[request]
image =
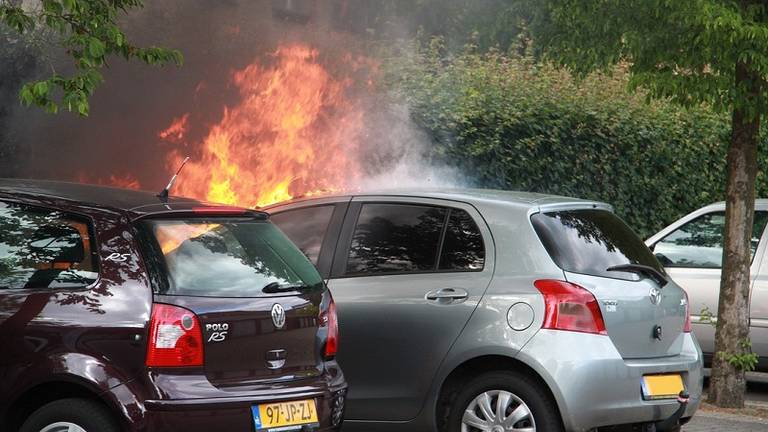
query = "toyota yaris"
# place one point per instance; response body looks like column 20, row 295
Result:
column 122, row 311
column 475, row 310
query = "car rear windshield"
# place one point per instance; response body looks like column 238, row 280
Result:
column 591, row 241
column 226, row 258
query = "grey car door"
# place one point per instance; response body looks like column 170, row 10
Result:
column 407, row 275
column 691, row 253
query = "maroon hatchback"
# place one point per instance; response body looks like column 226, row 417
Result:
column 122, row 311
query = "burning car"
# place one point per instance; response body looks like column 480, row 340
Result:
column 473, row 310
column 124, row 311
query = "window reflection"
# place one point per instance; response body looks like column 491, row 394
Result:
column 699, row 243
column 591, row 241
column 463, row 245
column 395, row 238
column 305, row 227
column 229, row 259
column 44, row 249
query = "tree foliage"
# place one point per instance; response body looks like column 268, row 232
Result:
column 89, row 33
column 515, row 123
column 683, row 50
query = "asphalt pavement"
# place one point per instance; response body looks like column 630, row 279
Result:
column 757, row 395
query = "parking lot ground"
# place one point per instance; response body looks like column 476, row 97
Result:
column 711, row 419
column 705, row 421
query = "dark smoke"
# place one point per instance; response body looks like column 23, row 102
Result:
column 216, row 37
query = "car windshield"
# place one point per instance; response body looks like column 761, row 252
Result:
column 225, row 258
column 591, row 241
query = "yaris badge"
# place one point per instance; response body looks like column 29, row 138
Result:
column 278, row 316
column 655, row 295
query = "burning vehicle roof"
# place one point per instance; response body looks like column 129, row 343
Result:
column 138, row 203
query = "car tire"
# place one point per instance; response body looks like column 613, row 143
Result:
column 60, row 415
column 531, row 404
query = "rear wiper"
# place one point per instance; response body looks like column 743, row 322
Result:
column 640, row 269
column 275, row 287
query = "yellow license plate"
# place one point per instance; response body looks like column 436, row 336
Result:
column 281, row 415
column 666, row 386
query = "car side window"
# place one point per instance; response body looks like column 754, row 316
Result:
column 395, row 238
column 463, row 248
column 41, row 248
column 306, row 227
column 699, row 243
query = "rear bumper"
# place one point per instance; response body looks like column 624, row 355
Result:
column 190, row 403
column 594, row 387
column 234, row 414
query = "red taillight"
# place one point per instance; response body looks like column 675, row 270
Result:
column 175, row 337
column 570, row 307
column 330, row 320
column 687, row 325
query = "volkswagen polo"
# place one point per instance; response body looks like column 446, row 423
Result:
column 122, row 311
column 473, row 310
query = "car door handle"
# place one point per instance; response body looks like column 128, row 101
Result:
column 447, row 294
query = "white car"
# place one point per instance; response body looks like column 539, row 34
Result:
column 691, row 250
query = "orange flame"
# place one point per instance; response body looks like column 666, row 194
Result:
column 176, row 131
column 293, row 132
column 126, row 181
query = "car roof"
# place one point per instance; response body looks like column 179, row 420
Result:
column 490, row 196
column 136, row 203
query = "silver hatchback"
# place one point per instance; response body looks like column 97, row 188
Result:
column 476, row 310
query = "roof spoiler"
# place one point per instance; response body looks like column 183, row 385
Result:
column 206, row 211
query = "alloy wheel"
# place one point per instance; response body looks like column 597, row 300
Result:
column 62, row 427
column 497, row 411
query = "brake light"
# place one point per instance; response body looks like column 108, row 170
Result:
column 330, row 320
column 687, row 325
column 175, row 337
column 570, row 307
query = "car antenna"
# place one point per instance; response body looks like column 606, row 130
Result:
column 163, row 195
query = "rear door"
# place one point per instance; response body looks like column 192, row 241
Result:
column 240, row 277
column 643, row 318
column 407, row 275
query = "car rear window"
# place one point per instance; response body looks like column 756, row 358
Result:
column 226, row 258
column 591, row 241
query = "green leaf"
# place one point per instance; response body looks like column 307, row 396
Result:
column 40, row 89
column 96, row 48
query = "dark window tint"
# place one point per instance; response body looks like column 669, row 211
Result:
column 44, row 249
column 590, row 241
column 396, row 238
column 228, row 258
column 463, row 245
column 306, row 228
column 699, row 243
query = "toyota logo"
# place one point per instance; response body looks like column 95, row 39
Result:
column 655, row 295
column 278, row 316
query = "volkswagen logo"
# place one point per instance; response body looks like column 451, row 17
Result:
column 655, row 295
column 278, row 316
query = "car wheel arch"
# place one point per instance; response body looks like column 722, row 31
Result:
column 36, row 396
column 476, row 366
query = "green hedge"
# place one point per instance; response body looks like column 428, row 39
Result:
column 512, row 123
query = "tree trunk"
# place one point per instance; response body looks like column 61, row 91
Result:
column 728, row 384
